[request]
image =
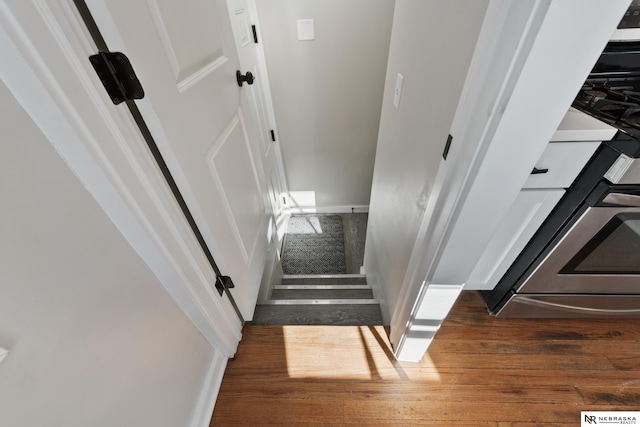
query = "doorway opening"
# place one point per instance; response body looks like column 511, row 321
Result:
column 317, row 244
column 323, row 282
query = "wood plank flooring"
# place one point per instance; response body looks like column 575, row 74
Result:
column 354, row 228
column 479, row 371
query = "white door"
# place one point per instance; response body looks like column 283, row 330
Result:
column 243, row 18
column 185, row 57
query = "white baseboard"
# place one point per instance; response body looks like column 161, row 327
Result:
column 297, row 210
column 209, row 392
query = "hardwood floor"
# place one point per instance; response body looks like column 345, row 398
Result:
column 479, row 371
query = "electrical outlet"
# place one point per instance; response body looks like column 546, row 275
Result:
column 397, row 91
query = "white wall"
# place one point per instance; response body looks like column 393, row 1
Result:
column 93, row 338
column 327, row 92
column 431, row 46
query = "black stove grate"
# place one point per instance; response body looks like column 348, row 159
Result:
column 614, row 101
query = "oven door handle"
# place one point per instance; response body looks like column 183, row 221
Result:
column 621, row 199
column 576, row 308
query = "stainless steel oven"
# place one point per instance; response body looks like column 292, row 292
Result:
column 600, row 254
column 584, row 261
column 591, row 270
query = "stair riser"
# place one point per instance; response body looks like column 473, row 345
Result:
column 321, row 287
column 324, row 302
column 322, row 280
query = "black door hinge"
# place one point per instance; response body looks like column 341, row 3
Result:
column 255, row 33
column 118, row 78
column 222, row 283
column 273, row 136
column 446, row 147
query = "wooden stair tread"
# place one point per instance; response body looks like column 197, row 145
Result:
column 344, row 314
column 343, row 299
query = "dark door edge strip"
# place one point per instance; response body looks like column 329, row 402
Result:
column 94, row 31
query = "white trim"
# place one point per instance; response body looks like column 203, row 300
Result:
column 266, row 88
column 209, row 393
column 482, row 81
column 431, row 308
column 103, row 147
column 510, row 78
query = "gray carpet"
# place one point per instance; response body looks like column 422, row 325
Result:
column 314, row 244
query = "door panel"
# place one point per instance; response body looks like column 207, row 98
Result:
column 256, row 96
column 229, row 159
column 203, row 123
column 193, row 54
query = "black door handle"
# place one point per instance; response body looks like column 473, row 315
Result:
column 537, row 171
column 246, row 78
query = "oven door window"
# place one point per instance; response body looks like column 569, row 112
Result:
column 615, row 249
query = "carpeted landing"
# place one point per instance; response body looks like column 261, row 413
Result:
column 314, row 244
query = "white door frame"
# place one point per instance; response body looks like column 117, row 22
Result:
column 519, row 70
column 46, row 48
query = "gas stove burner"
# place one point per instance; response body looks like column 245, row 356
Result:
column 632, row 96
column 611, row 93
column 612, row 99
column 633, row 122
column 590, row 97
column 631, row 117
column 595, row 94
column 621, row 88
column 611, row 111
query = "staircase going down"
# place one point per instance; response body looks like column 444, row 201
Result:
column 343, row 299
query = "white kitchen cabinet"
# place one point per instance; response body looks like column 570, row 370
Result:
column 572, row 145
column 560, row 164
column 528, row 212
